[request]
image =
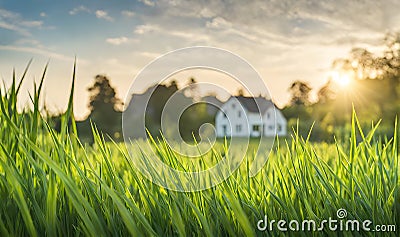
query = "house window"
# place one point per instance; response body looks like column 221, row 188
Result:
column 270, row 127
column 279, row 128
column 224, row 129
column 238, row 128
column 256, row 128
column 224, row 114
column 233, row 106
column 268, row 116
column 239, row 114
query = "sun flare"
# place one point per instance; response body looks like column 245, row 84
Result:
column 342, row 79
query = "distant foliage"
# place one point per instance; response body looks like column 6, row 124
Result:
column 104, row 110
column 300, row 93
column 374, row 93
column 190, row 120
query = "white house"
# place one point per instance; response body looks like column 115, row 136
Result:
column 243, row 116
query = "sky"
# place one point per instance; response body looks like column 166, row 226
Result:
column 284, row 40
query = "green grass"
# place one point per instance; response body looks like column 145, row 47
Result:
column 53, row 185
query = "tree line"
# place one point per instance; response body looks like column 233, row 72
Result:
column 373, row 92
column 106, row 111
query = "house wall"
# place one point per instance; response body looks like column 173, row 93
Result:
column 274, row 125
column 266, row 123
column 234, row 125
column 255, row 119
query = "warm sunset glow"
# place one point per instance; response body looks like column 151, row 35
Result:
column 341, row 78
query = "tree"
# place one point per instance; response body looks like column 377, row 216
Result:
column 155, row 106
column 174, row 85
column 192, row 90
column 300, row 93
column 391, row 58
column 240, row 92
column 104, row 105
column 326, row 93
column 103, row 95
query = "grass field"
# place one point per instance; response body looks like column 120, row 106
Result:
column 52, row 185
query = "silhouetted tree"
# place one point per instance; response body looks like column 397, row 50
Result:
column 103, row 95
column 104, row 105
column 326, row 93
column 300, row 93
column 191, row 90
column 155, row 106
column 173, row 85
column 391, row 58
column 240, row 92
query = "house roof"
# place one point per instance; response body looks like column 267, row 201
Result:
column 255, row 104
column 212, row 100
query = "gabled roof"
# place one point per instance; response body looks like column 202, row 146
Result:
column 255, row 104
column 212, row 99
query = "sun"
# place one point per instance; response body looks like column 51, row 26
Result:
column 340, row 78
column 343, row 80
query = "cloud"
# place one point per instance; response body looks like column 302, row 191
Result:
column 127, row 13
column 187, row 34
column 15, row 28
column 37, row 24
column 270, row 25
column 43, row 14
column 5, row 14
column 148, row 3
column 207, row 13
column 15, row 22
column 38, row 51
column 298, row 20
column 103, row 15
column 147, row 28
column 117, row 41
column 79, row 9
column 218, row 23
column 27, row 41
column 149, row 54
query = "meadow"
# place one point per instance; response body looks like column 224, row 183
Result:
column 52, row 184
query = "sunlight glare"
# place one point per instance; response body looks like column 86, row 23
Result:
column 342, row 79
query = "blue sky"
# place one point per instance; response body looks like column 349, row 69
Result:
column 284, row 40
